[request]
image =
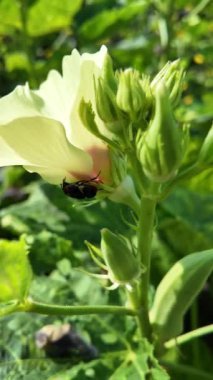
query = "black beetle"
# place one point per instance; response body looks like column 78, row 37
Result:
column 80, row 189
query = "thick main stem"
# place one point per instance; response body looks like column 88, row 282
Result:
column 144, row 233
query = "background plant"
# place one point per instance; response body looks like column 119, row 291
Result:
column 143, row 35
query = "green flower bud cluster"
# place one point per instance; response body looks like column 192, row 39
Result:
column 122, row 265
column 121, row 99
column 138, row 118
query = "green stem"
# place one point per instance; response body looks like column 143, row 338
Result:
column 186, row 174
column 42, row 308
column 185, row 338
column 145, row 231
column 140, row 179
column 199, row 8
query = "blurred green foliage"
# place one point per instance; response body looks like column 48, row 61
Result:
column 34, row 36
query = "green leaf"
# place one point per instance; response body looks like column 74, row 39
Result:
column 43, row 16
column 176, row 292
column 9, row 16
column 8, row 308
column 15, row 271
column 50, row 16
column 57, row 247
column 106, row 22
column 140, row 365
column 188, row 214
column 62, row 218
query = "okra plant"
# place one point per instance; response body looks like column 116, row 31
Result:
column 99, row 133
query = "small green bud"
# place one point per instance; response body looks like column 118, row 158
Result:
column 173, row 75
column 105, row 102
column 130, row 95
column 206, row 152
column 105, row 96
column 123, row 267
column 108, row 74
column 87, row 116
column 146, row 86
column 161, row 146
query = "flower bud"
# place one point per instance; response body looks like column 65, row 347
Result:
column 105, row 97
column 161, row 146
column 206, row 152
column 172, row 74
column 87, row 116
column 130, row 95
column 122, row 265
column 105, row 102
column 108, row 74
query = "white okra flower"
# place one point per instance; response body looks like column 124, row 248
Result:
column 42, row 130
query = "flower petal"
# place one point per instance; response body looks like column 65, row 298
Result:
column 22, row 102
column 79, row 73
column 62, row 94
column 40, row 144
column 56, row 98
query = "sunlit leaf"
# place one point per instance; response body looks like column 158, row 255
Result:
column 49, row 16
column 15, row 271
column 10, row 19
column 101, row 23
column 176, row 292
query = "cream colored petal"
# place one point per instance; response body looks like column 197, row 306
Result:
column 79, row 73
column 62, row 94
column 56, row 98
column 22, row 102
column 52, row 175
column 41, row 144
column 59, row 93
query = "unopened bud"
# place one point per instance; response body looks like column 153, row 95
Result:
column 108, row 74
column 105, row 102
column 105, row 97
column 206, row 152
column 160, row 150
column 122, row 265
column 87, row 116
column 172, row 74
column 130, row 95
